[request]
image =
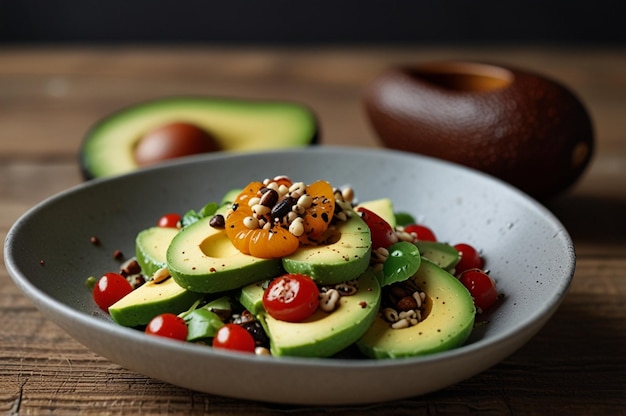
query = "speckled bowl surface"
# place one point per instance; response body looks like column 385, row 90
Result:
column 528, row 251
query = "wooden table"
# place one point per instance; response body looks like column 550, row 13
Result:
column 49, row 97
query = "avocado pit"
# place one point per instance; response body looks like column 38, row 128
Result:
column 173, row 140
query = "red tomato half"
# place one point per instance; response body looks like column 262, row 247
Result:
column 169, row 221
column 234, row 337
column 168, row 325
column 422, row 232
column 382, row 233
column 110, row 288
column 481, row 287
column 291, row 297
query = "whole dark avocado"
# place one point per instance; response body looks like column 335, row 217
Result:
column 162, row 129
column 513, row 124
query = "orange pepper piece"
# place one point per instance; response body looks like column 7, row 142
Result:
column 319, row 215
column 275, row 240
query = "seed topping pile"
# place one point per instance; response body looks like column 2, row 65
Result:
column 271, row 219
column 404, row 305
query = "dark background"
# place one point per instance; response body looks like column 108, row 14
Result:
column 320, row 22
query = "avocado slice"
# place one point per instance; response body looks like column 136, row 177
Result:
column 202, row 259
column 151, row 299
column 344, row 259
column 230, row 196
column 448, row 322
column 442, row 254
column 151, row 248
column 322, row 334
column 251, row 297
column 382, row 207
column 234, row 124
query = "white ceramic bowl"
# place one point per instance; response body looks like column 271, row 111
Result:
column 528, row 251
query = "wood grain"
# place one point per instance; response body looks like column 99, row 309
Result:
column 49, row 97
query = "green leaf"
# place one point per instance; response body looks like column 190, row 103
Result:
column 192, row 216
column 403, row 218
column 201, row 324
column 209, row 209
column 403, row 262
column 222, row 307
column 189, row 218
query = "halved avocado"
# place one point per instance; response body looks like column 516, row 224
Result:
column 344, row 259
column 322, row 334
column 448, row 321
column 201, row 258
column 233, row 124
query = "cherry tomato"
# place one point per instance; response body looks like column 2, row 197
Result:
column 169, row 221
column 470, row 258
column 422, row 232
column 110, row 288
column 382, row 233
column 168, row 325
column 234, row 337
column 291, row 297
column 481, row 287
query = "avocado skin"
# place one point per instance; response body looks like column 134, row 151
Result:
column 308, row 134
column 523, row 128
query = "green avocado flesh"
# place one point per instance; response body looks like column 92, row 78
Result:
column 322, row 334
column 151, row 299
column 442, row 254
column 202, row 259
column 151, row 247
column 345, row 259
column 251, row 297
column 235, row 124
column 382, row 207
column 449, row 320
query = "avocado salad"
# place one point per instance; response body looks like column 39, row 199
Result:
column 284, row 268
